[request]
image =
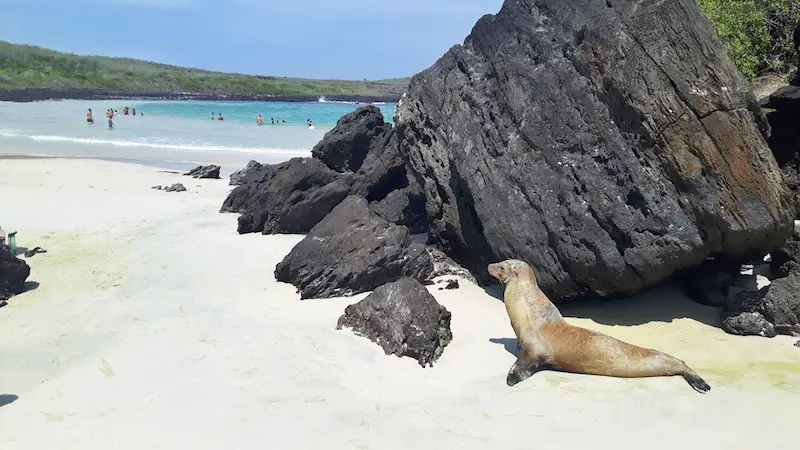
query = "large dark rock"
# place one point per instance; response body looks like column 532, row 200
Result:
column 609, row 144
column 299, row 194
column 404, row 319
column 773, row 310
column 785, row 138
column 385, row 182
column 208, row 172
column 13, row 273
column 796, row 80
column 345, row 147
column 253, row 172
column 404, row 207
column 383, row 171
column 306, row 189
column 352, row 251
column 786, row 260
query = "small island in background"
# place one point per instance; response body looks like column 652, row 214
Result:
column 29, row 73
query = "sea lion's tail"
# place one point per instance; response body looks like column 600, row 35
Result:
column 697, row 383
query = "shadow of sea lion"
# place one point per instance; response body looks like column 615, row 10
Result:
column 511, row 345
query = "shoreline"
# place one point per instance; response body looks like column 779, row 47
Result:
column 44, row 94
column 164, row 165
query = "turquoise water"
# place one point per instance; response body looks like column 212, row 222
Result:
column 170, row 132
column 322, row 114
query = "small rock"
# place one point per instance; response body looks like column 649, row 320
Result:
column 208, row 172
column 451, row 284
column 749, row 324
column 797, row 344
column 786, row 260
column 404, row 319
column 158, row 188
column 177, row 187
column 3, row 303
column 443, row 265
column 768, row 312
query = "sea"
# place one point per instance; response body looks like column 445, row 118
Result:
column 170, row 134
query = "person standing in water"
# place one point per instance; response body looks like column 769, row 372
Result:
column 219, row 117
column 110, row 115
column 134, row 111
column 260, row 120
column 89, row 116
column 308, row 122
column 212, row 116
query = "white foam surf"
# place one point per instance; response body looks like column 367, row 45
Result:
column 157, row 145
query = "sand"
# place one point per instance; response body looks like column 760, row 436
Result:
column 156, row 326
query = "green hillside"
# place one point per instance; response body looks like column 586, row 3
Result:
column 23, row 66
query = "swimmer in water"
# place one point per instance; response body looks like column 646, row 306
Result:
column 260, row 120
column 219, row 117
column 308, row 122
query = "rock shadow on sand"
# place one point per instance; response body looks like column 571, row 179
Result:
column 7, row 399
column 664, row 303
column 30, row 286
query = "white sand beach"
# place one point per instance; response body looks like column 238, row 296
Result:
column 156, row 326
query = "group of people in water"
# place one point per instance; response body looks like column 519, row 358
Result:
column 110, row 114
column 260, row 120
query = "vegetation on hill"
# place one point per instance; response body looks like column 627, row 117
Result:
column 758, row 33
column 23, row 66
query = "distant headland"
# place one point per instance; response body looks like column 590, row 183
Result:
column 29, row 73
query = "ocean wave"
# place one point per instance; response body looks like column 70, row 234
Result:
column 336, row 102
column 156, row 145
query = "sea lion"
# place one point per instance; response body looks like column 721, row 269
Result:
column 548, row 341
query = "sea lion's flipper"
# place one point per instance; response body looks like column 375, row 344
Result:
column 523, row 369
column 697, row 383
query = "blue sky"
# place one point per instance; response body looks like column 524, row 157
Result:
column 351, row 39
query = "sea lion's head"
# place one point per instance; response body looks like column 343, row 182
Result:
column 510, row 270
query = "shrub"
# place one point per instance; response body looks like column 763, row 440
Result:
column 757, row 33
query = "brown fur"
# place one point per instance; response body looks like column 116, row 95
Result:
column 547, row 340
